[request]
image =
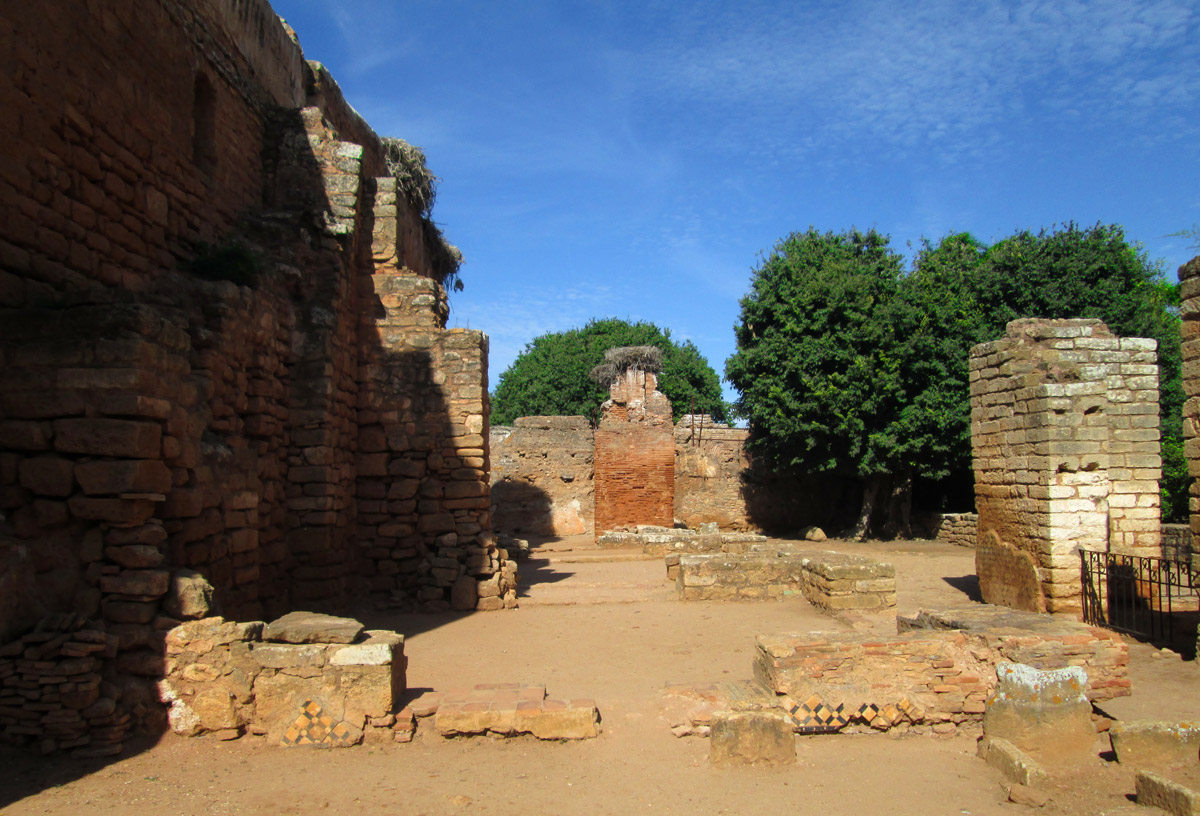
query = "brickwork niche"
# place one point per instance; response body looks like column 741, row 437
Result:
column 1065, row 447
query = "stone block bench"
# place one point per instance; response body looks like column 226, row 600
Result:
column 935, row 674
column 828, row 580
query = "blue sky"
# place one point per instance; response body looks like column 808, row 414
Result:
column 633, row 159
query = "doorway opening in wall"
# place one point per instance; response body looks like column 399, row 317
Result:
column 1152, row 599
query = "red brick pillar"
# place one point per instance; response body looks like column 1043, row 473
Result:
column 635, row 456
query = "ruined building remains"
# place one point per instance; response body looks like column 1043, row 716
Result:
column 634, row 454
column 1189, row 279
column 1065, row 442
column 222, row 338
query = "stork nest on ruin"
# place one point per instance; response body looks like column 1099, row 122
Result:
column 414, row 181
column 406, row 163
column 625, row 358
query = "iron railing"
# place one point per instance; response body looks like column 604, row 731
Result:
column 1153, row 599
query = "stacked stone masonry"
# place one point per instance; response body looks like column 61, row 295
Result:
column 327, row 686
column 830, row 581
column 222, row 331
column 937, row 672
column 542, row 480
column 960, row 529
column 634, row 455
column 1189, row 281
column 1065, row 443
column 542, row 476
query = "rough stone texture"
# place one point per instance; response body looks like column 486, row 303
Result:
column 511, row 709
column 190, row 596
column 312, row 627
column 659, row 541
column 1044, row 713
column 634, row 455
column 220, row 675
column 1157, row 792
column 959, row 529
column 222, row 332
column 52, row 689
column 830, row 581
column 1177, row 542
column 542, row 476
column 939, row 671
column 1144, row 744
column 1017, row 766
column 752, row 738
column 1065, row 442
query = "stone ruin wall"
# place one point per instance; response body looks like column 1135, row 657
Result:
column 542, row 480
column 1065, row 442
column 306, row 437
column 1189, row 279
column 634, row 464
column 542, row 476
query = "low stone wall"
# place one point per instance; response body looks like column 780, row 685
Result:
column 830, row 581
column 52, row 690
column 659, row 541
column 956, row 528
column 321, row 683
column 936, row 673
column 1177, row 542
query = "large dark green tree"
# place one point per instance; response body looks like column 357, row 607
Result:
column 877, row 387
column 550, row 377
column 817, row 361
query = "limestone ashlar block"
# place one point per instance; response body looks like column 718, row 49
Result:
column 1146, row 744
column 1017, row 767
column 1159, row 792
column 752, row 738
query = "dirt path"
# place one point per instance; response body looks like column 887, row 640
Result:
column 600, row 625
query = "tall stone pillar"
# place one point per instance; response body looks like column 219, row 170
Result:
column 1065, row 446
column 634, row 455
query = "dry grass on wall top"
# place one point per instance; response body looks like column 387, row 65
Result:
column 624, row 358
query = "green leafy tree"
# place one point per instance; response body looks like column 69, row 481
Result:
column 550, row 377
column 847, row 366
column 817, row 361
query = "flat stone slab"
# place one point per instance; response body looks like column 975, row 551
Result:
column 1145, row 745
column 312, row 627
column 512, row 709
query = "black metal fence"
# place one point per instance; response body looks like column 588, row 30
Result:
column 1153, row 599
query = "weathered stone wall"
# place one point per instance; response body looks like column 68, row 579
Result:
column 222, row 337
column 1189, row 279
column 1064, row 421
column 542, row 480
column 960, row 529
column 829, row 581
column 542, row 476
column 634, row 456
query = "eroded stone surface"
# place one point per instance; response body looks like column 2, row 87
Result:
column 312, row 627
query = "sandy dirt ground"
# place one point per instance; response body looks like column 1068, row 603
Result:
column 604, row 625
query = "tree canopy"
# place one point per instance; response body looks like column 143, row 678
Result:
column 550, row 377
column 846, row 364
